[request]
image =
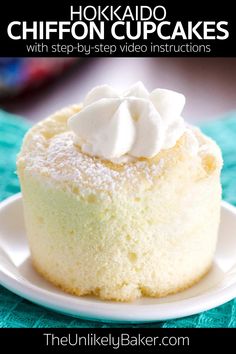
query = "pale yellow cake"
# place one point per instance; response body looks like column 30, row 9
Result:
column 119, row 231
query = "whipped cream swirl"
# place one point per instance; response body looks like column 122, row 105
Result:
column 124, row 126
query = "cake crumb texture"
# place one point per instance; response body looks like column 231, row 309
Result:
column 144, row 228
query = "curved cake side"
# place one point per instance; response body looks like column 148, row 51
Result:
column 148, row 227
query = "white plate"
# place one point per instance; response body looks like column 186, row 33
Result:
column 17, row 275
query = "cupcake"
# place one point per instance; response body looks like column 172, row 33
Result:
column 121, row 196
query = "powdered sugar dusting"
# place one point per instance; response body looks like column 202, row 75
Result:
column 61, row 161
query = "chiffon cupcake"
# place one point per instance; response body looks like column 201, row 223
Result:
column 121, row 196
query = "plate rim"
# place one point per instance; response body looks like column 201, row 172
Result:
column 114, row 311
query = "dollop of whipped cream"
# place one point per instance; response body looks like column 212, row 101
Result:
column 123, row 126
